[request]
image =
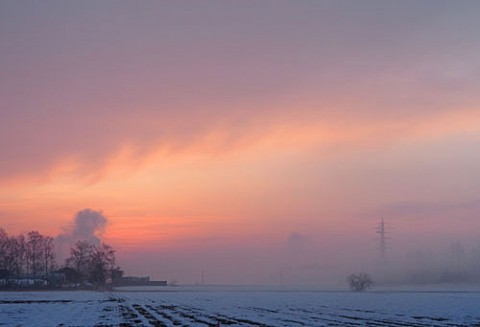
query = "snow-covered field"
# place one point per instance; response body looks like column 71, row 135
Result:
column 239, row 307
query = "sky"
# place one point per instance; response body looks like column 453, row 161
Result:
column 258, row 141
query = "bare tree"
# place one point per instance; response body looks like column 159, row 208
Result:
column 33, row 256
column 359, row 282
column 80, row 259
column 10, row 253
column 35, row 245
column 4, row 254
column 94, row 264
column 21, row 255
column 102, row 266
column 3, row 247
column 48, row 254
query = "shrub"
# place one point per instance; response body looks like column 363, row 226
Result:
column 359, row 282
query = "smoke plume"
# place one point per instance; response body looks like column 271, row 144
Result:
column 88, row 225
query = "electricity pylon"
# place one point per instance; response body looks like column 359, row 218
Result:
column 383, row 241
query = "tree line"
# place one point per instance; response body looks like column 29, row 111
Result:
column 29, row 260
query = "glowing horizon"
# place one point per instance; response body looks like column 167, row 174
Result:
column 235, row 144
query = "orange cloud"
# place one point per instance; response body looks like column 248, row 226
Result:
column 217, row 175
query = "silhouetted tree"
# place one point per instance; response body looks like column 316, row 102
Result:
column 33, row 257
column 94, row 264
column 21, row 255
column 3, row 248
column 35, row 247
column 9, row 256
column 80, row 259
column 48, row 254
column 359, row 282
column 102, row 266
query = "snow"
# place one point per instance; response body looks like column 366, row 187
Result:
column 234, row 306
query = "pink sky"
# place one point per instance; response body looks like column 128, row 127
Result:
column 241, row 138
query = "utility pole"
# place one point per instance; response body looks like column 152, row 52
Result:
column 383, row 241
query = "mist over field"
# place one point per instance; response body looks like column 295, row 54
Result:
column 246, row 142
column 239, row 163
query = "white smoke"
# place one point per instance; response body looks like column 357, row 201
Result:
column 88, row 225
